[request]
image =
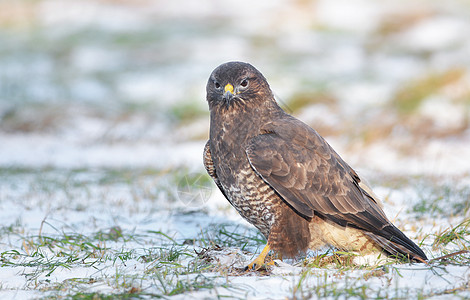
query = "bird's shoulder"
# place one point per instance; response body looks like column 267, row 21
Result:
column 295, row 134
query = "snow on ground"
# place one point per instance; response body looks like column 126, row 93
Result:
column 103, row 121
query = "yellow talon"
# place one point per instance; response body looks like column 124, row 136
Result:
column 259, row 261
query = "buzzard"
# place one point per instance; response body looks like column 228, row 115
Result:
column 285, row 179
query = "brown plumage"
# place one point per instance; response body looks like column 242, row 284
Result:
column 285, row 179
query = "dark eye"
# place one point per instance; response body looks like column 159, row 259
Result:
column 244, row 83
column 217, row 85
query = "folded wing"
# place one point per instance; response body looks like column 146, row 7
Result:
column 311, row 177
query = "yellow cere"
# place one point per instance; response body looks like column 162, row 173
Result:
column 228, row 88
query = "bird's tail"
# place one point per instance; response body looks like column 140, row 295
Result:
column 397, row 244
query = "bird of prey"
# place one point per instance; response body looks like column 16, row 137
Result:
column 285, row 179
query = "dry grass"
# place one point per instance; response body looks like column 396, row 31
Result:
column 408, row 99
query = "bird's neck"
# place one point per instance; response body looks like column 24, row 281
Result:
column 236, row 127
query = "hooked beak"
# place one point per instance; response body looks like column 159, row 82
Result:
column 228, row 94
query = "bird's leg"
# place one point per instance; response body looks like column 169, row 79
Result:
column 259, row 261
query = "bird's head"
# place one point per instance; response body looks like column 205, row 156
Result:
column 237, row 84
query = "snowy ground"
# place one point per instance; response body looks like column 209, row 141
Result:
column 103, row 122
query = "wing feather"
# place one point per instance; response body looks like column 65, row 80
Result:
column 307, row 173
column 312, row 178
column 210, row 168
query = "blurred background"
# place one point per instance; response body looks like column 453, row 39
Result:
column 120, row 83
column 103, row 120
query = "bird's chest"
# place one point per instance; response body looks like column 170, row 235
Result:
column 252, row 198
column 246, row 191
